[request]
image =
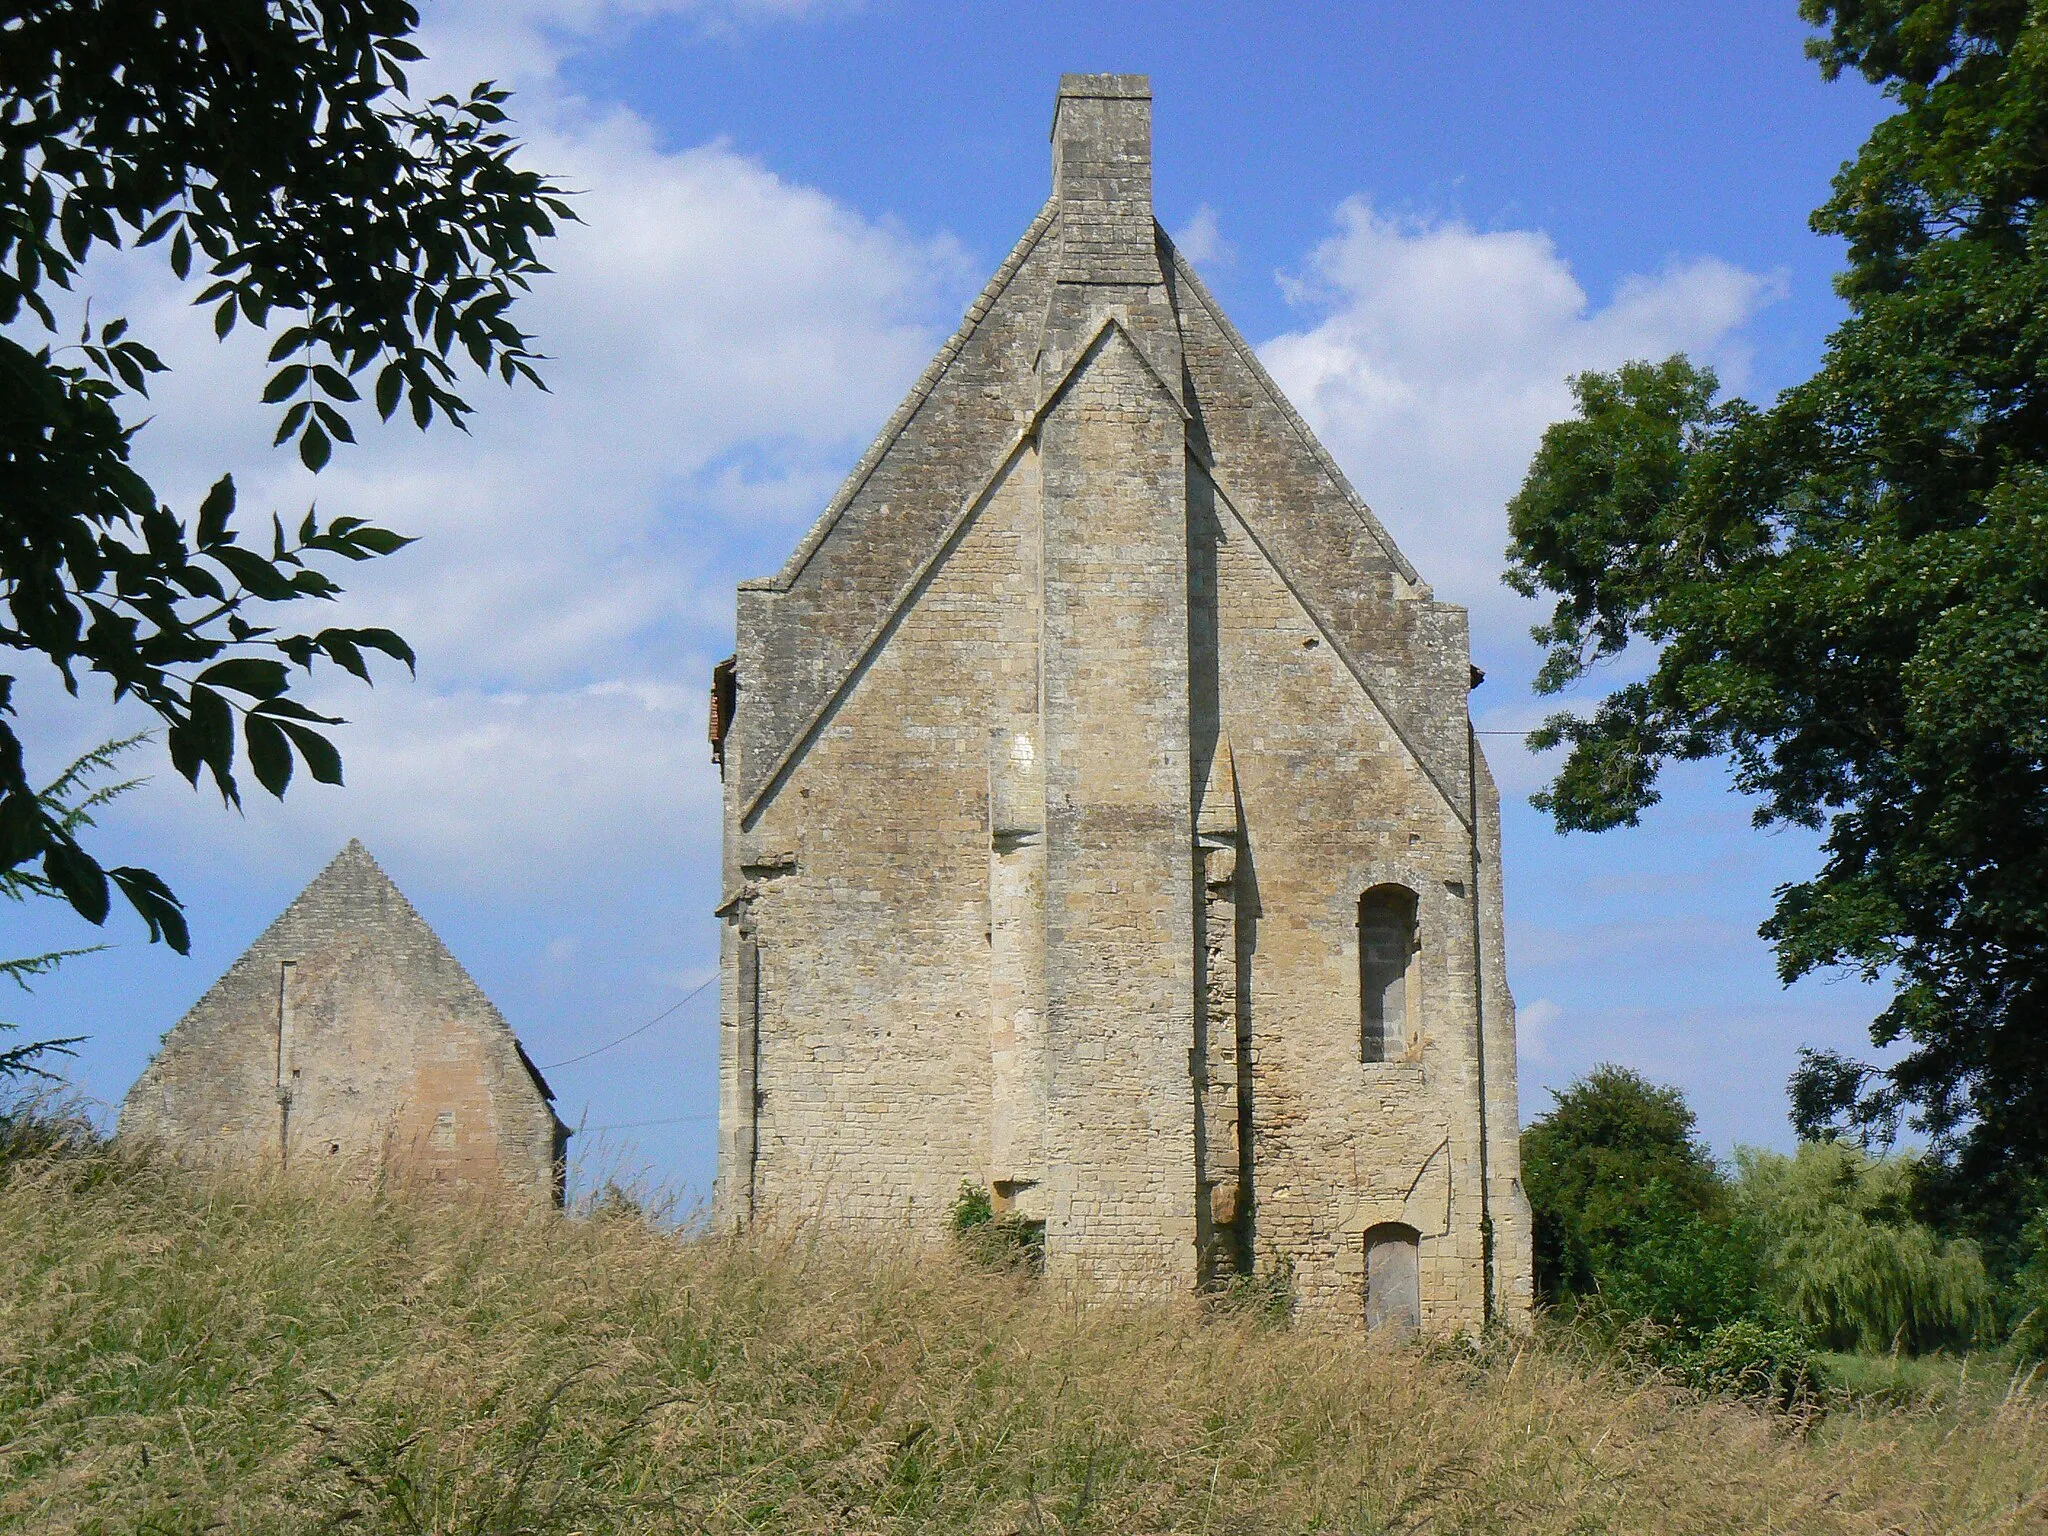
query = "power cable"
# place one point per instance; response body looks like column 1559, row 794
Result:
column 631, row 1033
column 636, row 1125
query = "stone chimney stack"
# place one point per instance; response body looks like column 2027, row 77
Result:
column 1102, row 176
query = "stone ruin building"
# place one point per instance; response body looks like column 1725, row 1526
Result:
column 348, row 1037
column 1104, row 823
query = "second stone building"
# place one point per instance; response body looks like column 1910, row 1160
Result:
column 1104, row 823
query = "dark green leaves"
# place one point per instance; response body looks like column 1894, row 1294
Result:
column 270, row 753
column 1842, row 595
column 271, row 152
column 215, row 511
column 253, row 675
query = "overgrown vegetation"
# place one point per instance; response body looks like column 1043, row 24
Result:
column 996, row 1239
column 183, row 1352
column 1739, row 1279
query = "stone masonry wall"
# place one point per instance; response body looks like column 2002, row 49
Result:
column 1065, row 748
column 347, row 1037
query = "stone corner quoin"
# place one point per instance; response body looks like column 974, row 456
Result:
column 1104, row 825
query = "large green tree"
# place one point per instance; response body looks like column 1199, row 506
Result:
column 1612, row 1153
column 1845, row 594
column 270, row 150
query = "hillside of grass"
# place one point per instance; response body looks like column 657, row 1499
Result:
column 183, row 1352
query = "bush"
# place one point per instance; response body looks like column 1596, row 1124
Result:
column 1590, row 1166
column 1266, row 1295
column 1844, row 1256
column 1749, row 1357
column 1638, row 1238
column 2029, row 1298
column 1681, row 1271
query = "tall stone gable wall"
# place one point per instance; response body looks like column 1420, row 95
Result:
column 348, row 1037
column 1064, row 750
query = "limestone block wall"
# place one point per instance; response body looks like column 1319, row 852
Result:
column 1331, row 808
column 866, row 899
column 348, row 1038
column 1065, row 748
column 1119, row 918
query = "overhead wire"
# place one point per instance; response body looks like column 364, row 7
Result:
column 633, row 1033
column 636, row 1125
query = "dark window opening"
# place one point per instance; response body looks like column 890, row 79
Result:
column 1386, row 946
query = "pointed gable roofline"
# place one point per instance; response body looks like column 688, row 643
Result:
column 900, row 603
column 845, row 632
column 333, row 900
column 1185, row 273
column 900, row 419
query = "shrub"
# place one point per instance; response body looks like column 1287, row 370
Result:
column 1748, row 1357
column 1682, row 1271
column 1844, row 1256
column 1589, row 1167
column 1266, row 1295
column 2030, row 1292
column 998, row 1239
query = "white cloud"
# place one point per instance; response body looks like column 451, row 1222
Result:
column 1438, row 353
column 1535, row 1028
column 1201, row 240
column 721, row 342
column 523, row 43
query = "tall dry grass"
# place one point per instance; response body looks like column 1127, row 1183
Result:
column 185, row 1352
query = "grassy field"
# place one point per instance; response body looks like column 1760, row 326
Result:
column 181, row 1352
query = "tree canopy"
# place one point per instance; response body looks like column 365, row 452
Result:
column 1614, row 1148
column 1845, row 593
column 271, row 151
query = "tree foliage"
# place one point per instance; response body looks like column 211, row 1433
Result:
column 1639, row 1244
column 70, row 801
column 1845, row 593
column 2028, row 1302
column 1845, row 1256
column 270, row 150
column 1613, row 1149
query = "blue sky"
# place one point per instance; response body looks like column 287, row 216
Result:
column 1425, row 216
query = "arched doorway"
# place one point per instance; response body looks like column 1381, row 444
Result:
column 1393, row 1280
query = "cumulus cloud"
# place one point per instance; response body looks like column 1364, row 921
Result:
column 720, row 339
column 525, row 42
column 1436, row 353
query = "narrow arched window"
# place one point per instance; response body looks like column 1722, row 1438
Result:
column 1393, row 1279
column 1386, row 945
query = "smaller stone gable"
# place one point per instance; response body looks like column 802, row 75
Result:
column 349, row 1038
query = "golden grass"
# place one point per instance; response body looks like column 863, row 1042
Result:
column 188, row 1352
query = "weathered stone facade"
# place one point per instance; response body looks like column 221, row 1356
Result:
column 1104, row 821
column 348, row 1037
